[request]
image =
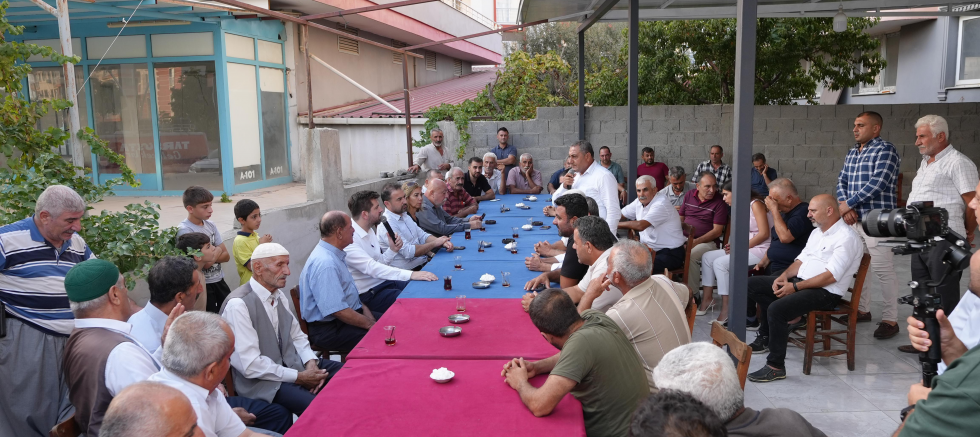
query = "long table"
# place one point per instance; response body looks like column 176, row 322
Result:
column 386, row 390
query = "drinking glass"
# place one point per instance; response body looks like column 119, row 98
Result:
column 506, row 278
column 515, row 231
column 461, row 303
column 390, row 335
column 459, row 262
column 466, row 234
column 447, row 283
column 513, row 247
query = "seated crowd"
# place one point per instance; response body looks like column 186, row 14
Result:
column 608, row 303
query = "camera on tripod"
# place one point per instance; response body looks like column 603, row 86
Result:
column 925, row 226
column 919, row 222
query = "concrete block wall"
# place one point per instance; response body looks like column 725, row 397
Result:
column 805, row 143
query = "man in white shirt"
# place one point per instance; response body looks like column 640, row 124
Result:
column 101, row 357
column 658, row 224
column 378, row 283
column 150, row 409
column 195, row 361
column 416, row 243
column 592, row 241
column 817, row 280
column 948, row 179
column 434, row 156
column 272, row 360
column 594, row 180
column 494, row 176
column 173, row 281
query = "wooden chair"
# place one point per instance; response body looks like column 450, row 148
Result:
column 68, row 428
column 680, row 275
column 722, row 337
column 691, row 311
column 826, row 319
column 229, row 383
column 294, row 295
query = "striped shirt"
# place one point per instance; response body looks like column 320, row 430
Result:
column 869, row 177
column 32, row 276
column 944, row 182
column 723, row 173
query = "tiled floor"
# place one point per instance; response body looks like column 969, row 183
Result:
column 860, row 403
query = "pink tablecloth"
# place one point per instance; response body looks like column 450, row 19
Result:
column 397, row 398
column 499, row 329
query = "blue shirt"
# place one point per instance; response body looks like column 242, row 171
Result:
column 325, row 285
column 32, row 276
column 782, row 255
column 869, row 177
column 556, row 177
column 503, row 154
column 759, row 183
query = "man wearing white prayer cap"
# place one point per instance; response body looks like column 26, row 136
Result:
column 272, row 360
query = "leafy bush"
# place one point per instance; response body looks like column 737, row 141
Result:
column 132, row 239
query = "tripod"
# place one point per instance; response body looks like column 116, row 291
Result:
column 926, row 300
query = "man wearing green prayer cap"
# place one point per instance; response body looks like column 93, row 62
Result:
column 101, row 357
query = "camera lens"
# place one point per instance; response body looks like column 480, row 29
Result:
column 885, row 223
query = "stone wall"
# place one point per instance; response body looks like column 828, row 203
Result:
column 804, row 143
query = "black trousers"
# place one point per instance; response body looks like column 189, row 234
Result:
column 217, row 293
column 336, row 335
column 928, row 265
column 295, row 398
column 270, row 417
column 669, row 259
column 382, row 296
column 777, row 312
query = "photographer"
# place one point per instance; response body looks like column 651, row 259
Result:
column 947, row 178
column 950, row 406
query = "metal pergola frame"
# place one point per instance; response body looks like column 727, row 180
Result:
column 746, row 12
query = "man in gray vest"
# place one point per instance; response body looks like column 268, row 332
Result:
column 272, row 360
column 100, row 358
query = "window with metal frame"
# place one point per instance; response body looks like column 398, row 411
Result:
column 430, row 60
column 395, row 56
column 887, row 78
column 348, row 45
column 457, row 67
column 968, row 52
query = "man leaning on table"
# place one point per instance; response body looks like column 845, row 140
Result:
column 378, row 283
column 596, row 364
column 437, row 221
column 416, row 243
column 272, row 360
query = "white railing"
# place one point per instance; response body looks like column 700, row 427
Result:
column 470, row 12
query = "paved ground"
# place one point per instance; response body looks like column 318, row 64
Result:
column 172, row 208
column 860, row 403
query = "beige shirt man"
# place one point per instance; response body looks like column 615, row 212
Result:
column 652, row 317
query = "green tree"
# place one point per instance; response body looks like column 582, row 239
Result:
column 524, row 83
column 693, row 62
column 131, row 239
column 603, row 43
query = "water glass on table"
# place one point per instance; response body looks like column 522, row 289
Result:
column 459, row 262
column 505, row 277
column 461, row 303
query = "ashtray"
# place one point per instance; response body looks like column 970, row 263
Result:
column 503, row 210
column 507, row 240
column 545, row 227
column 537, row 223
column 481, row 284
column 486, row 244
column 524, row 207
column 490, row 222
column 459, row 318
column 450, row 331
